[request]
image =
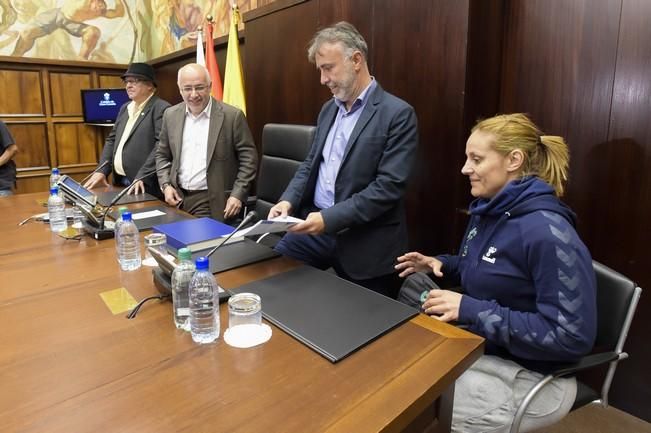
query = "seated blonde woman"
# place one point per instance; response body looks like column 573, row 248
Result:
column 526, row 277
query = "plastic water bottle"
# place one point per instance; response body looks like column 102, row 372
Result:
column 204, row 304
column 54, row 179
column 116, row 227
column 56, row 210
column 181, row 278
column 128, row 244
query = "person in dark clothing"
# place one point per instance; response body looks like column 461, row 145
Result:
column 351, row 187
column 8, row 150
column 527, row 281
column 129, row 150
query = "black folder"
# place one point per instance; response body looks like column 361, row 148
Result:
column 106, row 197
column 330, row 315
column 171, row 215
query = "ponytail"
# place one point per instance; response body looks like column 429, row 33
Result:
column 545, row 156
column 554, row 162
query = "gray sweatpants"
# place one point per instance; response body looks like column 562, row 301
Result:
column 488, row 394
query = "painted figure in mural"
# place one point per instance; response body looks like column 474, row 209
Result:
column 177, row 22
column 70, row 17
column 185, row 20
column 8, row 17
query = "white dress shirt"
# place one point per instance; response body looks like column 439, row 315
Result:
column 194, row 150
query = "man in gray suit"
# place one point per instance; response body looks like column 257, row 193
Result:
column 129, row 148
column 210, row 146
column 350, row 188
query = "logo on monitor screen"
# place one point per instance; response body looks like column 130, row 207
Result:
column 107, row 101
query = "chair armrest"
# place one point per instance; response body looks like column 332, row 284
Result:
column 250, row 201
column 586, row 362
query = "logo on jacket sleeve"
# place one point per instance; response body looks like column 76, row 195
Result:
column 471, row 235
column 487, row 256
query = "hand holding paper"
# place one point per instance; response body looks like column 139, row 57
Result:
column 274, row 225
column 313, row 225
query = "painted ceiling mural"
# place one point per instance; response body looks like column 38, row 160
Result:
column 111, row 31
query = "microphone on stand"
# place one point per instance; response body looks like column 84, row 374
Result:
column 101, row 166
column 247, row 219
column 102, row 233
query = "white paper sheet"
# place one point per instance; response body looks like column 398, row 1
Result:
column 269, row 226
column 148, row 214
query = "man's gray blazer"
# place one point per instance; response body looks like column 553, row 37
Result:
column 232, row 159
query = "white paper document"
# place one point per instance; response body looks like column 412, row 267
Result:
column 278, row 224
column 147, row 214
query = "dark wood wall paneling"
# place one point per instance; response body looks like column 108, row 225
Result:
column 41, row 106
column 421, row 58
column 581, row 69
column 621, row 189
column 281, row 85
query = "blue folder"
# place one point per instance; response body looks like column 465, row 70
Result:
column 196, row 234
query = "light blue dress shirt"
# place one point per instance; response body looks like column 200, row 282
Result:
column 335, row 147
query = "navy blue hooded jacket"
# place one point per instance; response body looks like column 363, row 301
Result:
column 528, row 282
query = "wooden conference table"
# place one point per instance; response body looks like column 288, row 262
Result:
column 67, row 364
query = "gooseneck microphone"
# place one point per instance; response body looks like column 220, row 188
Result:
column 101, row 166
column 247, row 219
column 100, row 232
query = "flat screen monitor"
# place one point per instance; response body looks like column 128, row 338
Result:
column 101, row 106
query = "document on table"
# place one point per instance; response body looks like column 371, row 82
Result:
column 278, row 224
column 147, row 214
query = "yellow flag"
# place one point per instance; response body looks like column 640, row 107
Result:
column 233, row 76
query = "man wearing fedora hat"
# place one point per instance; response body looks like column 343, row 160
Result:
column 129, row 148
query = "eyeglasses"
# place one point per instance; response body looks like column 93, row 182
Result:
column 199, row 89
column 133, row 81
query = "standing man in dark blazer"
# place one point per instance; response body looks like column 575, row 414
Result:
column 214, row 160
column 350, row 188
column 129, row 148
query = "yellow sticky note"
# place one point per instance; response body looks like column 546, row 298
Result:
column 118, row 300
column 70, row 233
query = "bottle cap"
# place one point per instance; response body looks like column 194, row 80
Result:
column 126, row 216
column 185, row 254
column 55, row 170
column 54, row 190
column 202, row 263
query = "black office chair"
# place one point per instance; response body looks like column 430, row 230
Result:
column 617, row 298
column 284, row 147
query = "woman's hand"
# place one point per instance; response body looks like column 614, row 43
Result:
column 417, row 262
column 443, row 305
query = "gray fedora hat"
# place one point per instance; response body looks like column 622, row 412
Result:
column 144, row 71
